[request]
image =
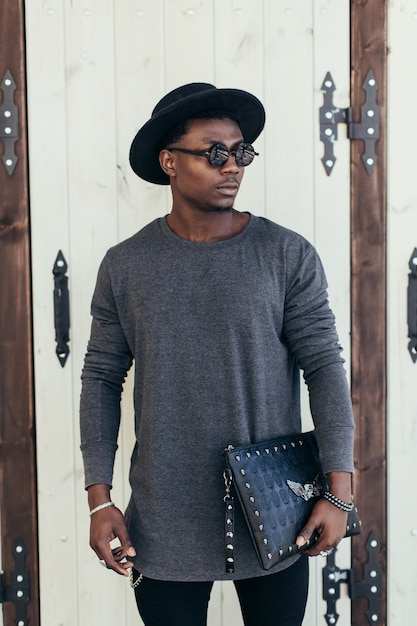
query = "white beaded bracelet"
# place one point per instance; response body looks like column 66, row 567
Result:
column 100, row 507
column 344, row 506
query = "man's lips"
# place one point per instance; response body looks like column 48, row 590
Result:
column 228, row 187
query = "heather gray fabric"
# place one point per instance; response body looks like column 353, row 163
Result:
column 218, row 332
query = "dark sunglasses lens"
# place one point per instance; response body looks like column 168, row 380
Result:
column 218, row 155
column 245, row 154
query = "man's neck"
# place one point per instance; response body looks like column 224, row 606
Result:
column 207, row 226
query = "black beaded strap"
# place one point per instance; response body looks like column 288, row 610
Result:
column 229, row 526
column 337, row 502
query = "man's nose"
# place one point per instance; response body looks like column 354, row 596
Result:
column 230, row 164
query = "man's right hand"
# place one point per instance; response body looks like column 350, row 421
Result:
column 106, row 525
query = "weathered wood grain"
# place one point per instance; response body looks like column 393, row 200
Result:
column 17, row 430
column 369, row 361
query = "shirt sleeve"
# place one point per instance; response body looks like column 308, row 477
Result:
column 309, row 329
column 106, row 364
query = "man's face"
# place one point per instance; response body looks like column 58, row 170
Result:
column 195, row 182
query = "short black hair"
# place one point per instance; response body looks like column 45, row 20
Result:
column 181, row 128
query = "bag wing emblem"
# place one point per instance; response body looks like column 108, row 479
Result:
column 308, row 490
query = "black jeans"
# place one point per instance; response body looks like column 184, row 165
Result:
column 274, row 600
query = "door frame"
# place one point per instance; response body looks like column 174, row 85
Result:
column 18, row 487
column 368, row 299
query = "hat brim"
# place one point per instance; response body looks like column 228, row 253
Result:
column 144, row 151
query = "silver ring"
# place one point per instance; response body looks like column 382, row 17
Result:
column 325, row 552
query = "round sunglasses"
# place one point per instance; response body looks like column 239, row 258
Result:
column 219, row 154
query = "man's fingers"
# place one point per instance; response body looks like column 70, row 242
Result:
column 122, row 552
column 116, row 561
column 107, row 526
column 126, row 544
column 324, row 529
column 118, row 554
column 304, row 537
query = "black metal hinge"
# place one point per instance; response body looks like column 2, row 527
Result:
column 370, row 587
column 9, row 127
column 61, row 308
column 367, row 129
column 412, row 306
column 17, row 591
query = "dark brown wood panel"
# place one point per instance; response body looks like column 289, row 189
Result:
column 17, row 430
column 368, row 222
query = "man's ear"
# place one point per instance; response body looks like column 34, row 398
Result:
column 167, row 163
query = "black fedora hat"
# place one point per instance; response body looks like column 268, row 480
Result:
column 184, row 103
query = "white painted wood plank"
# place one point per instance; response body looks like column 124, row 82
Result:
column 231, row 612
column 402, row 239
column 50, row 232
column 289, row 100
column 188, row 34
column 215, row 608
column 94, row 228
column 140, row 83
column 332, row 193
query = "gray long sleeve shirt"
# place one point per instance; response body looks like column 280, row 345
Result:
column 218, row 333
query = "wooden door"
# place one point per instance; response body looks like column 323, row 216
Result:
column 95, row 71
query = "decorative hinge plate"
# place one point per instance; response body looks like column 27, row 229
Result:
column 367, row 129
column 412, row 306
column 61, row 308
column 9, row 126
column 18, row 590
column 370, row 587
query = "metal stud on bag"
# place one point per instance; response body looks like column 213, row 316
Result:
column 229, row 522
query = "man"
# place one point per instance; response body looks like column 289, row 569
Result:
column 219, row 309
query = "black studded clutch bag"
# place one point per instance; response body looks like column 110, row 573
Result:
column 277, row 483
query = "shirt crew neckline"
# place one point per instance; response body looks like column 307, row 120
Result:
column 166, row 230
